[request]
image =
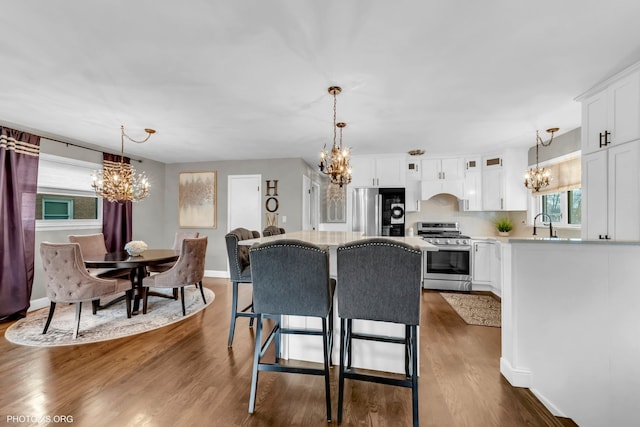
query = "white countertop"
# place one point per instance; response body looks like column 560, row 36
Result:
column 337, row 238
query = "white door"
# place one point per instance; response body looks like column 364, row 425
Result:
column 306, row 203
column 244, row 202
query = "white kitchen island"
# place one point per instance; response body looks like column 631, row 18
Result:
column 571, row 327
column 367, row 354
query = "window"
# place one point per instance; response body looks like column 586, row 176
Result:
column 55, row 208
column 564, row 208
column 65, row 199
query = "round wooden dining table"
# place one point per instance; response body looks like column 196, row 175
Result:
column 138, row 265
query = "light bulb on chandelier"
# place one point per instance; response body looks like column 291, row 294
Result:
column 336, row 165
column 538, row 178
column 119, row 181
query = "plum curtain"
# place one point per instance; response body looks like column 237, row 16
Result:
column 116, row 216
column 19, row 153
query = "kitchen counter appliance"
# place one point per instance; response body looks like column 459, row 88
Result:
column 448, row 268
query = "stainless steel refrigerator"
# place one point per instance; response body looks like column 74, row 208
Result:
column 378, row 211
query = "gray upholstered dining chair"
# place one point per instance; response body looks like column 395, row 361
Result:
column 272, row 230
column 379, row 279
column 239, row 272
column 188, row 270
column 177, row 246
column 68, row 281
column 93, row 245
column 291, row 277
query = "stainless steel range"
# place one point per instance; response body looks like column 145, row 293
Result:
column 448, row 268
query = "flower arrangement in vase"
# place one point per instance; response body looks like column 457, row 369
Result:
column 504, row 226
column 135, row 247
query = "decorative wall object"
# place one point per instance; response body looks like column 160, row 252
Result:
column 197, row 199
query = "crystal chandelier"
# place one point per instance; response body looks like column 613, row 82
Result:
column 538, row 178
column 118, row 181
column 337, row 166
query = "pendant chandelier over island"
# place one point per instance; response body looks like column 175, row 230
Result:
column 538, row 178
column 336, row 166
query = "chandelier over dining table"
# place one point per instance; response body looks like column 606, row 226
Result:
column 336, row 165
column 538, row 178
column 119, row 181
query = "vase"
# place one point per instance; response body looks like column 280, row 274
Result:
column 503, row 233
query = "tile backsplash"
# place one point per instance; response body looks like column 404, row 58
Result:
column 445, row 208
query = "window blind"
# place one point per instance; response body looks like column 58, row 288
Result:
column 566, row 175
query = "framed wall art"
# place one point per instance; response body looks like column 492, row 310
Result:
column 197, row 199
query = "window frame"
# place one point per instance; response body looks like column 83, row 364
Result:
column 69, row 224
column 536, row 204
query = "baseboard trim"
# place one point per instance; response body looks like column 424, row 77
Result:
column 547, row 403
column 216, row 273
column 37, row 304
column 516, row 377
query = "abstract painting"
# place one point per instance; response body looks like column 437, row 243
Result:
column 197, row 199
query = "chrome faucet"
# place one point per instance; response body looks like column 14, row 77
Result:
column 550, row 226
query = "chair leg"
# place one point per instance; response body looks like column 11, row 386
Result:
column 184, row 311
column 256, row 361
column 201, row 292
column 327, row 374
column 414, row 373
column 94, row 306
column 407, row 350
column 234, row 312
column 52, row 308
column 348, row 342
column 175, row 293
column 343, row 351
column 78, row 311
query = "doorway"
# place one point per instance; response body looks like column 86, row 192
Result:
column 244, row 202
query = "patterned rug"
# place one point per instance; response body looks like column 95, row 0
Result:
column 474, row 309
column 107, row 324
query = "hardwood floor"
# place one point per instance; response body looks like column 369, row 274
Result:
column 184, row 375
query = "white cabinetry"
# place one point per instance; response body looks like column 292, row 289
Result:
column 481, row 264
column 442, row 176
column 387, row 171
column 610, row 116
column 611, row 193
column 472, row 185
column 502, row 181
column 610, row 158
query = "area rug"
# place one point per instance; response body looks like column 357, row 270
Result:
column 474, row 309
column 107, row 324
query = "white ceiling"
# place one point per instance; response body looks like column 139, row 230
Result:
column 244, row 79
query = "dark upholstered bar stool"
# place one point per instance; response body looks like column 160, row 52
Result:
column 291, row 277
column 379, row 279
column 240, row 272
column 272, row 230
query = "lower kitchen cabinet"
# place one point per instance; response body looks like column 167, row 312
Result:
column 481, row 265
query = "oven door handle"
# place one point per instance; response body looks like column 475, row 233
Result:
column 459, row 248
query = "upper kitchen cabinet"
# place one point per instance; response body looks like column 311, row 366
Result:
column 443, row 175
column 472, row 185
column 611, row 112
column 378, row 171
column 442, row 169
column 502, row 183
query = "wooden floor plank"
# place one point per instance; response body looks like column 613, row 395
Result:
column 184, row 375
